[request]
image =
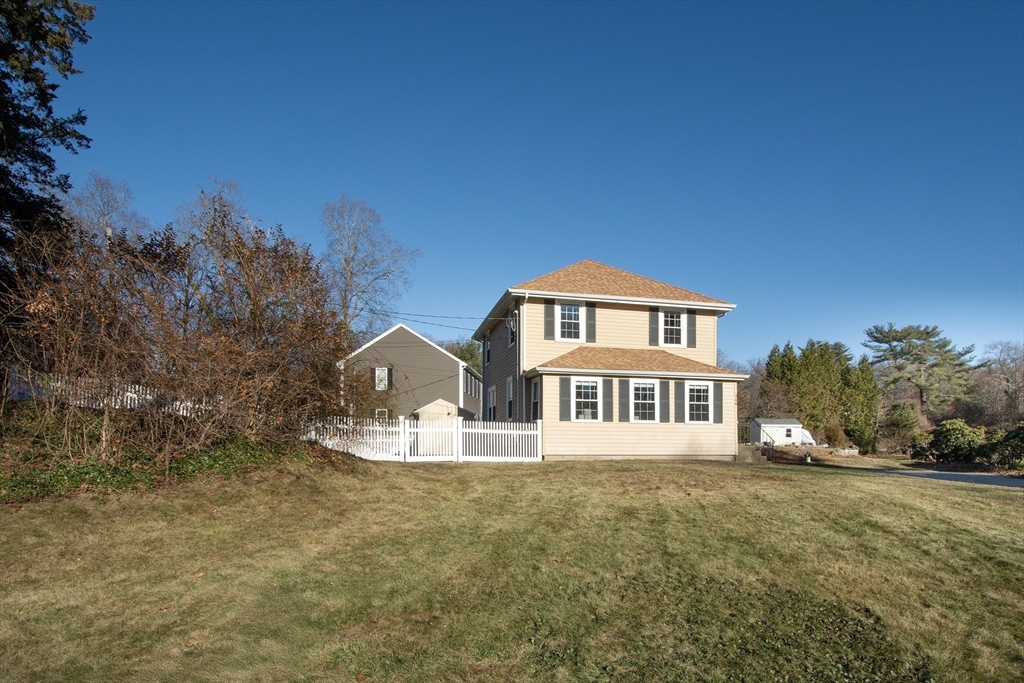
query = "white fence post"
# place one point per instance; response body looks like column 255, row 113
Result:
column 403, row 441
column 540, row 440
column 458, row 439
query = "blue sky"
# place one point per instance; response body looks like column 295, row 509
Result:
column 824, row 166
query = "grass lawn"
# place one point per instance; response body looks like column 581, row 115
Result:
column 623, row 571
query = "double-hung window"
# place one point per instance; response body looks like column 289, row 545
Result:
column 535, row 400
column 645, row 401
column 586, row 399
column 570, row 322
column 508, row 399
column 698, row 402
column 491, row 400
column 672, row 328
column 380, row 379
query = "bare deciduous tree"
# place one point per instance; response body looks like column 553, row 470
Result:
column 369, row 269
column 104, row 206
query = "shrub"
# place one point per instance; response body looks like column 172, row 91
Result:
column 920, row 446
column 956, row 441
column 1006, row 452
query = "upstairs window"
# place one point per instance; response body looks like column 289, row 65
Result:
column 569, row 322
column 487, row 351
column 672, row 328
column 380, row 379
column 491, row 400
column 512, row 322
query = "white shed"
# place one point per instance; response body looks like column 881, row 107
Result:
column 779, row 431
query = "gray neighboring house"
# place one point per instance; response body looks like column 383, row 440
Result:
column 414, row 372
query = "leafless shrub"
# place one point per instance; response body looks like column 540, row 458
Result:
column 213, row 326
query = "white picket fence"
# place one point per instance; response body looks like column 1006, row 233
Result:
column 432, row 441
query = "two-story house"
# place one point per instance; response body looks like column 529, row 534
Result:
column 615, row 364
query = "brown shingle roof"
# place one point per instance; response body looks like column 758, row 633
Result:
column 591, row 277
column 653, row 360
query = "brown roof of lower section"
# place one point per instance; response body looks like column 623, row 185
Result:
column 591, row 277
column 643, row 360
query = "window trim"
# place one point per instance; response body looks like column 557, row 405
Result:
column 600, row 402
column 632, row 401
column 583, row 321
column 487, row 350
column 377, row 373
column 377, row 412
column 490, row 409
column 682, row 327
column 710, row 403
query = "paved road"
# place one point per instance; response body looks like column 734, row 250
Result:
column 964, row 477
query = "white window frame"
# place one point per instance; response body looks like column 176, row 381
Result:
column 513, row 324
column 377, row 414
column 490, row 409
column 632, row 400
column 535, row 399
column 583, row 322
column 487, row 351
column 682, row 327
column 379, row 373
column 600, row 399
column 508, row 399
column 711, row 402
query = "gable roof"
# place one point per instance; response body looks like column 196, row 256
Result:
column 419, row 336
column 633, row 361
column 591, row 277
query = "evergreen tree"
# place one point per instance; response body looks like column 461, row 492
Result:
column 861, row 398
column 919, row 355
column 36, row 41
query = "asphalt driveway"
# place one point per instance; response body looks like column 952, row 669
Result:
column 964, row 477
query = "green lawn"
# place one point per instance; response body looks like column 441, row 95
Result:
column 623, row 571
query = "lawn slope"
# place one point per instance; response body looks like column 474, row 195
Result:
column 623, row 571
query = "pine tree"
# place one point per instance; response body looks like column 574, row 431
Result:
column 918, row 354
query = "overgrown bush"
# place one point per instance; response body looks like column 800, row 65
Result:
column 1006, row 452
column 956, row 441
column 920, row 446
column 899, row 427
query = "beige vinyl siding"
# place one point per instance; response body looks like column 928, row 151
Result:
column 618, row 326
column 501, row 367
column 586, row 440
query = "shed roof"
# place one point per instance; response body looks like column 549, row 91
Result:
column 778, row 421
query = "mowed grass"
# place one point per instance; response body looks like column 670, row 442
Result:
column 623, row 571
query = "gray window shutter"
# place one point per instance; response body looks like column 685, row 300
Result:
column 717, row 402
column 564, row 398
column 691, row 328
column 591, row 323
column 623, row 400
column 549, row 318
column 663, row 400
column 609, row 406
column 680, row 401
column 654, row 326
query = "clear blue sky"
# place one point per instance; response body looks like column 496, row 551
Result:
column 824, row 166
